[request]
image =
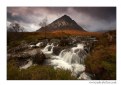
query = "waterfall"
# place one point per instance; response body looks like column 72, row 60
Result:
column 69, row 59
column 74, row 55
column 48, row 47
column 69, row 56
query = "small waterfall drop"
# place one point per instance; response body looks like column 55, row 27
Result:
column 74, row 55
column 69, row 56
column 69, row 59
column 47, row 48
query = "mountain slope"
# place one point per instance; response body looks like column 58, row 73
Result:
column 63, row 23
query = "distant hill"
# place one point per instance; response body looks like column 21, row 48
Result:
column 63, row 23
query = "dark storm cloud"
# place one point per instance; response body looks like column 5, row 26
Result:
column 19, row 18
column 99, row 12
column 57, row 9
column 90, row 18
column 10, row 17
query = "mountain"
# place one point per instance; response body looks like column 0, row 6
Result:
column 63, row 23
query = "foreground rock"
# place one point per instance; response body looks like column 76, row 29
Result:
column 22, row 58
column 37, row 56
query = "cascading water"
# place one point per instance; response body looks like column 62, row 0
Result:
column 48, row 50
column 69, row 56
column 68, row 59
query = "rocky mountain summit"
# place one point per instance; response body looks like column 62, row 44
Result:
column 63, row 23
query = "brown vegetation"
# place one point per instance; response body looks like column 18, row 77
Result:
column 101, row 62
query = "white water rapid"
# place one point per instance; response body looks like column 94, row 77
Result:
column 68, row 59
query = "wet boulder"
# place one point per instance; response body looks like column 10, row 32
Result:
column 37, row 56
column 57, row 50
column 22, row 58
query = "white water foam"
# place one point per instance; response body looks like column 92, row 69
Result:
column 68, row 60
column 47, row 52
column 39, row 44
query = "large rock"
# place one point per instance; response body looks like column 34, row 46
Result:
column 57, row 50
column 22, row 58
column 37, row 56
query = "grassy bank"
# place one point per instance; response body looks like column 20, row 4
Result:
column 38, row 72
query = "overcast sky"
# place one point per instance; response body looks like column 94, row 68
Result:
column 90, row 18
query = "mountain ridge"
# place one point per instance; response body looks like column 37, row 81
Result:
column 62, row 23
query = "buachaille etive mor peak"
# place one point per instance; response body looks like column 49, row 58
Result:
column 63, row 23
